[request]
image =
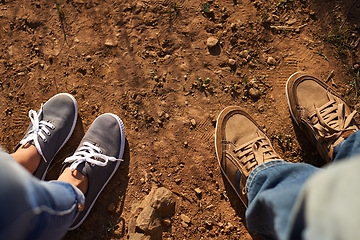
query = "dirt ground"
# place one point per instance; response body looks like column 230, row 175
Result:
column 148, row 62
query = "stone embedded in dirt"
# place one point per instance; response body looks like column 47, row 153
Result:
column 166, row 222
column 212, row 42
column 271, row 61
column 356, row 66
column 244, row 54
column 198, row 191
column 202, row 229
column 291, row 21
column 186, row 144
column 185, row 218
column 148, row 216
column 232, row 62
column 111, row 207
column 184, row 224
column 177, row 180
column 193, row 122
column 110, row 43
column 254, row 93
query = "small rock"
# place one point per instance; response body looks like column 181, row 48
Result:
column 111, row 207
column 271, row 61
column 177, row 180
column 184, row 224
column 142, row 180
column 254, row 93
column 233, row 26
column 185, row 218
column 229, row 226
column 232, row 62
column 261, row 108
column 193, row 122
column 198, row 191
column 212, row 42
column 356, row 66
column 201, row 229
column 110, row 43
column 291, row 21
column 186, row 144
column 244, row 54
column 166, row 222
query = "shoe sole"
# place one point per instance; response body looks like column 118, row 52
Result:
column 70, row 133
column 121, row 153
column 227, row 109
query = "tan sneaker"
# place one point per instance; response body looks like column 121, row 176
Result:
column 320, row 112
column 240, row 147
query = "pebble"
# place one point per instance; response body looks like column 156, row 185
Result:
column 271, row 61
column 110, row 43
column 185, row 225
column 186, row 144
column 166, row 222
column 185, row 218
column 254, row 93
column 111, row 207
column 356, row 66
column 177, row 180
column 201, row 229
column 193, row 122
column 212, row 42
column 244, row 54
column 232, row 62
column 198, row 191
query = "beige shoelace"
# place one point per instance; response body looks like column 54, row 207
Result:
column 331, row 122
column 254, row 152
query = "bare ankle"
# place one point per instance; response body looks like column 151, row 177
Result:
column 27, row 156
column 75, row 178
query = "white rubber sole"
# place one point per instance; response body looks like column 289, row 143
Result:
column 121, row 153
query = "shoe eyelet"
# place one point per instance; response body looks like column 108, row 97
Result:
column 52, row 128
column 44, row 140
column 91, row 164
column 48, row 134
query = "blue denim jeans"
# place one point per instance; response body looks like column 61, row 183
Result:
column 300, row 201
column 34, row 209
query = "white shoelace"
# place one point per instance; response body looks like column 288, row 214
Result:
column 91, row 154
column 39, row 128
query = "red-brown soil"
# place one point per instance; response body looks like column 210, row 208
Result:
column 142, row 60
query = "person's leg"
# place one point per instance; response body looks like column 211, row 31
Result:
column 348, row 148
column 272, row 190
column 273, row 187
column 33, row 209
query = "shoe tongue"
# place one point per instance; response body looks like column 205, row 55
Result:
column 84, row 168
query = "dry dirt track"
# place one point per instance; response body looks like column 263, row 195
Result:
column 142, row 60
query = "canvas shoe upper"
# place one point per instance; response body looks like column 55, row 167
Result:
column 240, row 147
column 98, row 157
column 50, row 129
column 320, row 112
